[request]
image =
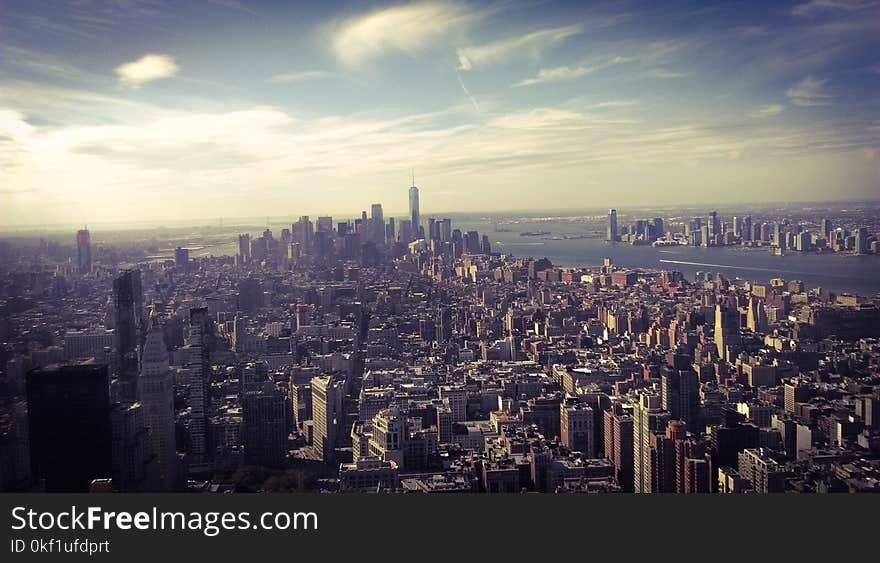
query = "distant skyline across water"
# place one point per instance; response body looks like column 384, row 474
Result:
column 282, row 219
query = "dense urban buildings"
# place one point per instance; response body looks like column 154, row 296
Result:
column 400, row 355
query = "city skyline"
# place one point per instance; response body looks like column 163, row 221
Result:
column 301, row 108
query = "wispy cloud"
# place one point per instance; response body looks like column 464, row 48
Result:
column 534, row 43
column 767, row 110
column 560, row 73
column 467, row 92
column 146, row 69
column 809, row 92
column 664, row 74
column 407, row 28
column 299, row 76
column 818, row 7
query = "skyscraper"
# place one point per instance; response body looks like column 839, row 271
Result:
column 327, row 395
column 861, row 242
column 576, row 427
column 714, row 228
column 181, row 258
column 196, row 378
column 377, row 233
column 648, row 418
column 83, row 251
column 134, row 464
column 446, row 230
column 618, row 426
column 69, row 424
column 264, row 426
column 756, row 319
column 156, row 390
column 612, row 225
column 680, row 393
column 128, row 302
column 244, row 248
column 778, row 236
column 414, row 209
column 726, row 327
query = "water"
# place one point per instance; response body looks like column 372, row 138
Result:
column 854, row 274
column 835, row 272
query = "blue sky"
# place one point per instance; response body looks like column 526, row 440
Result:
column 156, row 109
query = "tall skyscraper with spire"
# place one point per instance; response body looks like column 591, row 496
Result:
column 414, row 208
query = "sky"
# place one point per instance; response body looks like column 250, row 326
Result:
column 126, row 110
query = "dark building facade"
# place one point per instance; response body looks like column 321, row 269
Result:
column 69, row 420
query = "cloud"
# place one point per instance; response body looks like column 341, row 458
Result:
column 817, row 7
column 664, row 74
column 767, row 110
column 242, row 156
column 407, row 28
column 561, row 73
column 467, row 92
column 299, row 76
column 146, row 69
column 534, row 42
column 809, row 92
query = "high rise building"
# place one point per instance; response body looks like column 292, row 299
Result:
column 128, row 308
column 265, row 426
column 648, row 418
column 662, row 461
column 778, row 236
column 456, row 397
column 134, row 464
column 612, row 225
column 446, row 230
column 726, row 327
column 303, row 233
column 156, row 390
column 826, row 228
column 250, row 295
column 388, row 440
column 746, row 233
column 714, row 227
column 406, row 231
column 327, row 394
column 415, row 221
column 861, row 242
column 390, row 231
column 576, row 428
column 680, row 394
column 83, row 251
column 324, row 224
column 244, row 248
column 196, row 376
column 181, row 258
column 756, row 318
column 763, row 471
column 69, row 425
column 619, row 448
column 378, row 223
